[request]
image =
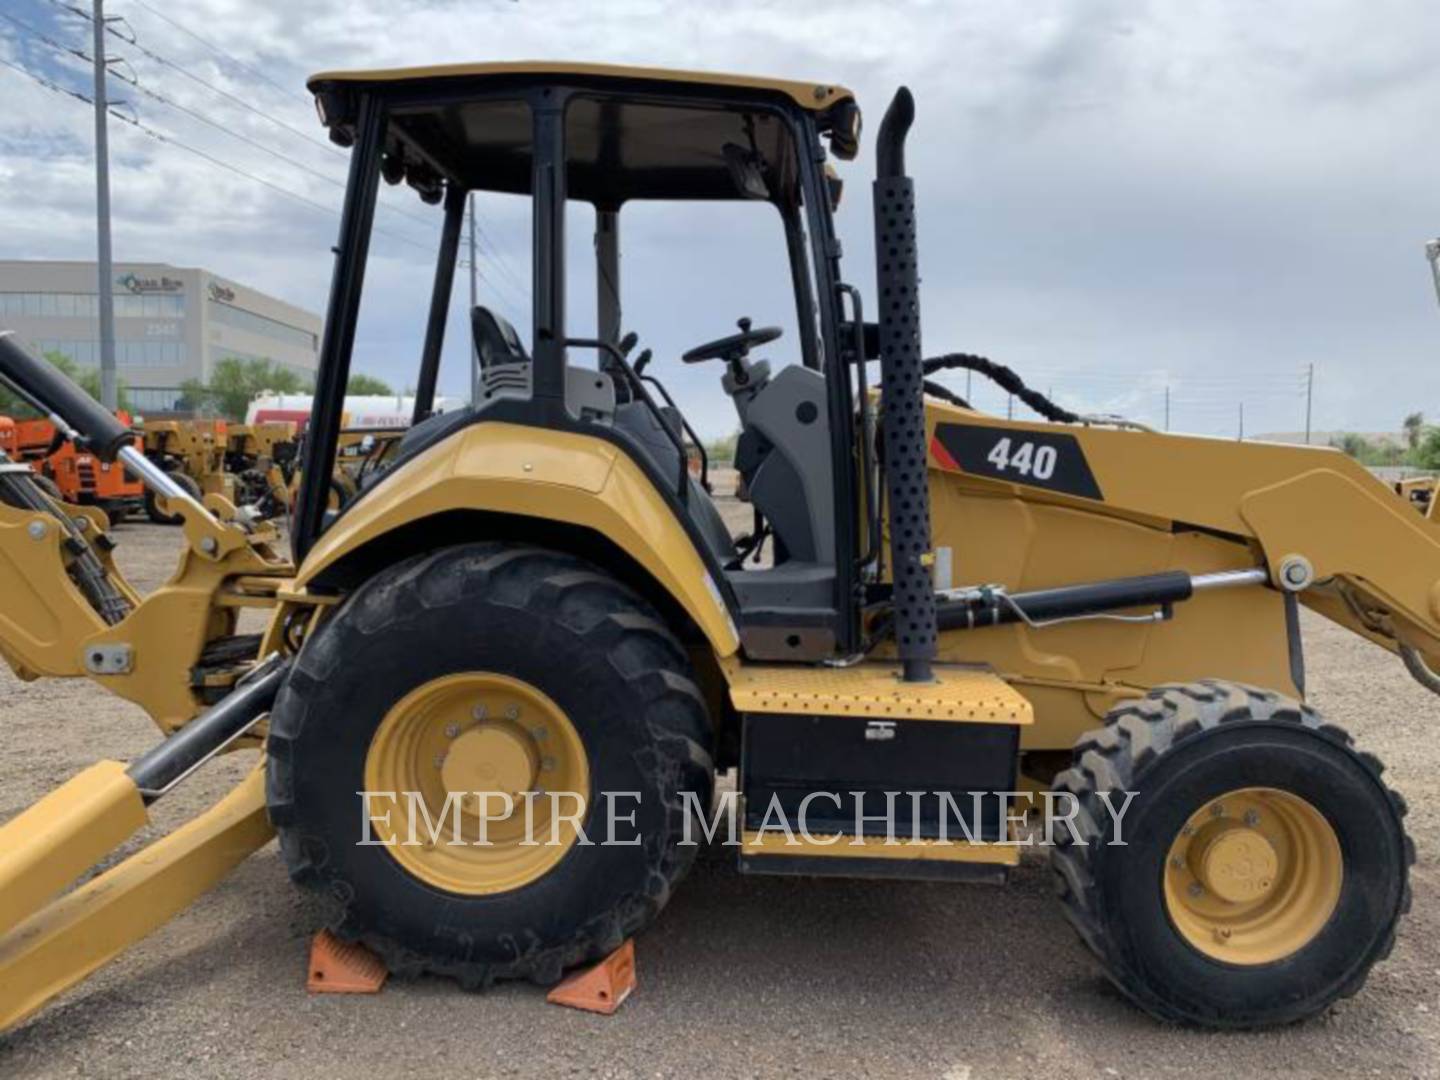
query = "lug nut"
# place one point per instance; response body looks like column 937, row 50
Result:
column 480, row 712
column 451, row 730
column 1252, row 818
column 1196, row 889
column 1218, row 810
column 512, row 712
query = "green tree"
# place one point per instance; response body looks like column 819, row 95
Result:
column 1363, row 450
column 1427, row 454
column 88, row 380
column 368, row 384
column 235, row 382
column 1414, row 428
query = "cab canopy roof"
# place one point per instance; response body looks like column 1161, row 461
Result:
column 630, row 133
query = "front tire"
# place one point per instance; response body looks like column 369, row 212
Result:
column 491, row 646
column 1264, row 866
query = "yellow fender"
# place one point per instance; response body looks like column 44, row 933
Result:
column 550, row 475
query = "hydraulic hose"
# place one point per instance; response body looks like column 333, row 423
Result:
column 1006, row 379
column 18, row 488
column 1421, row 671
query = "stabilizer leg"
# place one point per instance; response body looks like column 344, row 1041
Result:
column 75, row 935
column 52, row 843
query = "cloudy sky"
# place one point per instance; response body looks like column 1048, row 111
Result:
column 1115, row 197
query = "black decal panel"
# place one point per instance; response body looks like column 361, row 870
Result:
column 1053, row 461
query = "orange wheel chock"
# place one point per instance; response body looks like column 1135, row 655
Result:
column 341, row 967
column 600, row 989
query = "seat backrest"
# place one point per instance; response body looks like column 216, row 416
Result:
column 496, row 341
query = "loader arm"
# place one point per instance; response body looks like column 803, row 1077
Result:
column 1320, row 523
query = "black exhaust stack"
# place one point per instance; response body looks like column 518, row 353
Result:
column 902, row 396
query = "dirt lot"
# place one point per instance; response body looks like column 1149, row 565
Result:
column 741, row 976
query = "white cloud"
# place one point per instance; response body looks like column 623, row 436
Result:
column 1115, row 196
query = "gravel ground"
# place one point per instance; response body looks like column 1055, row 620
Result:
column 740, row 976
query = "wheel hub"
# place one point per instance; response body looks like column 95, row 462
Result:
column 491, row 757
column 1239, row 865
column 443, row 763
column 1253, row 876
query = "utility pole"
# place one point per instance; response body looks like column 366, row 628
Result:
column 1167, row 408
column 474, row 299
column 1010, row 407
column 1242, row 421
column 109, row 390
column 968, row 398
column 1309, row 398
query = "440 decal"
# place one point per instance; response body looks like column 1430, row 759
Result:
column 1053, row 461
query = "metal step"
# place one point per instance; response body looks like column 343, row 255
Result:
column 960, row 693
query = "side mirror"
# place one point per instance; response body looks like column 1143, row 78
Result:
column 845, row 124
column 745, row 170
column 835, row 187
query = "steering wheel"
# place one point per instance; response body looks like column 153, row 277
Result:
column 735, row 346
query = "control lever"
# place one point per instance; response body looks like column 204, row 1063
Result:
column 643, row 360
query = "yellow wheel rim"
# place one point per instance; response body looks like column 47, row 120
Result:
column 451, row 751
column 1253, row 876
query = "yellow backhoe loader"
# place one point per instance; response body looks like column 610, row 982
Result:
column 530, row 628
column 262, row 458
column 193, row 452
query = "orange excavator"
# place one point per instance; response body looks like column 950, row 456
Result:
column 75, row 476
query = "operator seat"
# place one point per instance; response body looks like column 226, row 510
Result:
column 496, row 341
column 497, row 344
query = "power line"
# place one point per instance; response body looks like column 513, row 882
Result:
column 217, row 49
column 163, row 137
column 233, row 98
column 49, row 84
column 499, row 259
column 79, row 54
column 201, row 118
column 157, row 58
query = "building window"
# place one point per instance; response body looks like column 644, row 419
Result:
column 38, row 305
column 251, row 323
column 128, row 354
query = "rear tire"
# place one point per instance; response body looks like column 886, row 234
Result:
column 1189, row 754
column 506, row 613
column 152, row 505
